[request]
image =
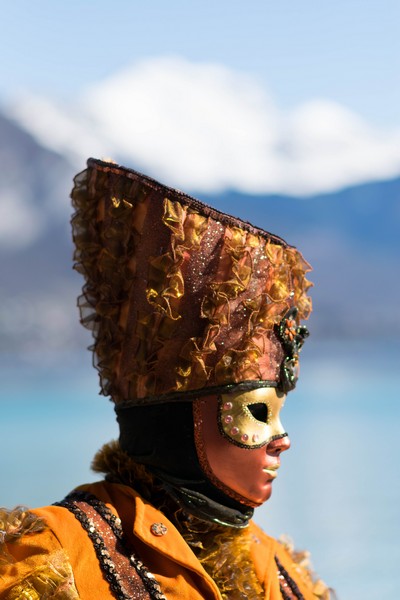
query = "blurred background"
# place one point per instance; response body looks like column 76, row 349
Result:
column 284, row 114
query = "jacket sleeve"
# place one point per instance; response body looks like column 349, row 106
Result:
column 32, row 562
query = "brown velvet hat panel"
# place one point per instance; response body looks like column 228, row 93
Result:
column 182, row 300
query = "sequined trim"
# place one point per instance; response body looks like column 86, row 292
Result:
column 116, row 561
column 287, row 585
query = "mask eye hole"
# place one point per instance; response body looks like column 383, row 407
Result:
column 259, row 410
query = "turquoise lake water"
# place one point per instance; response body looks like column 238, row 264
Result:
column 338, row 490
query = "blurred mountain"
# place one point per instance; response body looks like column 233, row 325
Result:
column 38, row 290
column 351, row 237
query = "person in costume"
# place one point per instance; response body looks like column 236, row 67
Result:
column 196, row 318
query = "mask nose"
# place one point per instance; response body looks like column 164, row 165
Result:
column 277, row 430
column 278, row 445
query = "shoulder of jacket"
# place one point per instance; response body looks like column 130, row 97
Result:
column 300, row 563
column 259, row 536
column 32, row 562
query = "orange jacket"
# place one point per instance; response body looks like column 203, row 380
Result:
column 61, row 556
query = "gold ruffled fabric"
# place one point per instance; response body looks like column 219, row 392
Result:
column 52, row 581
column 178, row 296
column 225, row 555
column 14, row 524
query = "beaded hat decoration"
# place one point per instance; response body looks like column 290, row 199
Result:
column 182, row 300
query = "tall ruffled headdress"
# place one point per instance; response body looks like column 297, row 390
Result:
column 182, row 300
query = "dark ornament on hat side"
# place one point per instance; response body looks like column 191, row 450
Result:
column 292, row 337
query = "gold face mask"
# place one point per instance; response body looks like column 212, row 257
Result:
column 251, row 419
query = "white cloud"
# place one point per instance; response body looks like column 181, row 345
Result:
column 205, row 127
column 332, row 147
column 64, row 129
column 20, row 223
column 194, row 124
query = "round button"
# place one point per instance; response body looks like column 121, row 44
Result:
column 158, row 529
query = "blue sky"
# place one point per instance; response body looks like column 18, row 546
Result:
column 346, row 51
column 262, row 97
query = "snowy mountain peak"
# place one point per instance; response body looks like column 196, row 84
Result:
column 204, row 127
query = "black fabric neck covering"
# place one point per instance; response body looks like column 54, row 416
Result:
column 161, row 437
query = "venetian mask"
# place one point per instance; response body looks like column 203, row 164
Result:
column 239, row 438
